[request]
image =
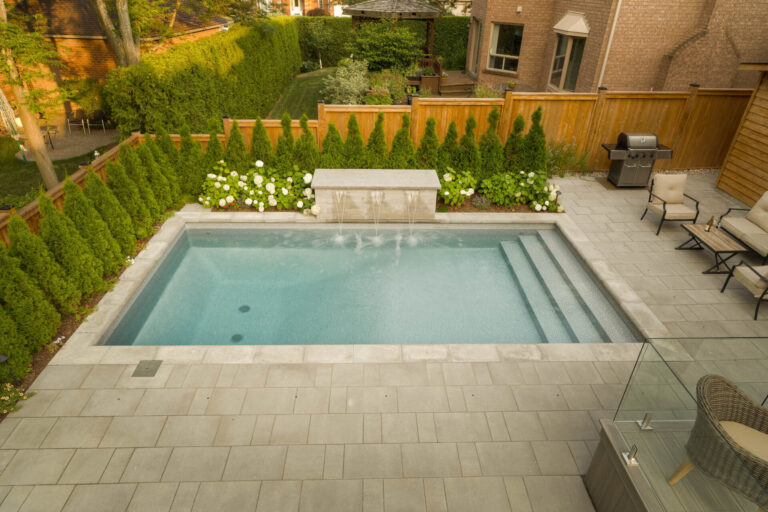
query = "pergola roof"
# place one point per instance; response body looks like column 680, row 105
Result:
column 399, row 9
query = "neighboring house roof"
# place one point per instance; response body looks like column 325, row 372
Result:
column 393, row 9
column 77, row 18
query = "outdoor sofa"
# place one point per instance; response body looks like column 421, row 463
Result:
column 751, row 230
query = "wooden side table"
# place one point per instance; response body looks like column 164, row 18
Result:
column 716, row 240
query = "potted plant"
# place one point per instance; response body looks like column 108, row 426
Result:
column 511, row 85
column 444, row 77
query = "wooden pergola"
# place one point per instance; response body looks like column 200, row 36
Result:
column 398, row 10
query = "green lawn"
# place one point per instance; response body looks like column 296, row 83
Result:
column 20, row 182
column 301, row 96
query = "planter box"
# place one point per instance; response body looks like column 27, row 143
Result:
column 430, row 83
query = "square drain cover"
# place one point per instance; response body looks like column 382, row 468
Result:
column 147, row 368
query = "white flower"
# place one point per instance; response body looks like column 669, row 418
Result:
column 250, row 192
column 96, row 154
column 207, row 203
column 221, row 162
column 538, row 207
column 470, row 191
column 271, row 188
column 259, row 164
column 530, row 181
column 261, row 192
column 463, row 192
column 222, row 202
column 517, row 194
column 258, row 179
column 243, row 177
column 546, row 203
column 446, row 192
column 208, row 198
column 233, row 173
column 447, row 177
column 552, row 196
column 200, row 199
column 531, row 174
column 315, row 209
column 221, row 178
column 272, row 201
column 522, row 172
column 308, row 178
column 240, row 184
column 217, row 185
column 226, row 187
column 289, row 179
column 560, row 208
column 230, row 199
column 211, row 176
column 248, row 201
column 273, row 180
column 284, row 191
column 307, row 192
column 261, row 207
column 299, row 204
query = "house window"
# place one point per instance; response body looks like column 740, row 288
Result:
column 566, row 62
column 505, row 47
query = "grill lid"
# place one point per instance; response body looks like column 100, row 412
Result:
column 637, row 140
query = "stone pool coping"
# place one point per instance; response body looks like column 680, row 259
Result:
column 83, row 348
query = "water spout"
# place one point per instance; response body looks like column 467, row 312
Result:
column 339, row 199
column 377, row 198
column 411, row 199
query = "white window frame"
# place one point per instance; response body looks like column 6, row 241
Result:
column 494, row 42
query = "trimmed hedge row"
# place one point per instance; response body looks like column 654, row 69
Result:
column 238, row 73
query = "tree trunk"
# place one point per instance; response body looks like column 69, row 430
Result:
column 126, row 32
column 34, row 138
column 173, row 16
column 109, row 31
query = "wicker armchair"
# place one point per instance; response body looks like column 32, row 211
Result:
column 729, row 440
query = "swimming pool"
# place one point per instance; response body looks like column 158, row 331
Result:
column 263, row 286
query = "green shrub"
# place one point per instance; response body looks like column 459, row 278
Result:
column 213, row 150
column 284, row 156
column 39, row 264
column 261, row 146
column 486, row 90
column 117, row 218
column 346, row 86
column 508, row 189
column 8, row 150
column 129, row 197
column 332, row 154
column 385, row 44
column 161, row 188
column 240, row 73
column 12, row 344
column 36, row 319
column 307, row 154
column 236, row 154
column 426, row 156
column 92, row 228
column 491, row 151
column 165, row 166
column 448, row 154
column 70, row 249
column 324, row 38
column 402, row 155
column 136, row 172
column 378, row 97
column 168, row 147
column 455, row 187
column 389, row 81
column 469, row 155
column 191, row 160
column 354, row 147
column 377, row 149
column 514, row 146
column 534, row 154
column 563, row 156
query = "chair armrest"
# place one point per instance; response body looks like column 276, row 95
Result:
column 663, row 202
column 729, row 211
column 753, row 269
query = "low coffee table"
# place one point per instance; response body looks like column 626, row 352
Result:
column 717, row 241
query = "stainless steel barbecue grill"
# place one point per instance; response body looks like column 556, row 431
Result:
column 632, row 158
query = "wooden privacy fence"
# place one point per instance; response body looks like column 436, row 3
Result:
column 697, row 124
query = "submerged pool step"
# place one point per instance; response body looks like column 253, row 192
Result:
column 551, row 323
column 600, row 306
column 576, row 313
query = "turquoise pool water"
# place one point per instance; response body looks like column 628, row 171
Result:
column 308, row 286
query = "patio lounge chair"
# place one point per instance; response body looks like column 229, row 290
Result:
column 754, row 278
column 751, row 230
column 729, row 440
column 665, row 199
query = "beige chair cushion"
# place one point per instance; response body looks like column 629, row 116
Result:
column 759, row 213
column 753, row 441
column 757, row 242
column 669, row 187
column 674, row 211
column 740, row 226
column 754, row 284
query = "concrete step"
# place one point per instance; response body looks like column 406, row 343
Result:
column 551, row 324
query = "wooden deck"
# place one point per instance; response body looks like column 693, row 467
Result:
column 457, row 84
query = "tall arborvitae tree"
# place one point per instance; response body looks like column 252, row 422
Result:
column 513, row 149
column 426, row 156
column 284, row 154
column 190, row 161
column 136, row 171
column 165, row 166
column 377, row 150
column 127, row 193
column 307, row 154
column 236, row 154
column 354, row 147
column 169, row 148
column 70, row 249
column 448, row 154
column 39, row 264
column 534, row 155
column 117, row 218
column 214, row 152
column 13, row 345
column 491, row 151
column 469, row 155
column 332, row 155
column 36, row 318
column 157, row 180
column 261, row 146
column 92, row 228
column 402, row 155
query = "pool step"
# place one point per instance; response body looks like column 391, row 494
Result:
column 576, row 313
column 602, row 309
column 551, row 324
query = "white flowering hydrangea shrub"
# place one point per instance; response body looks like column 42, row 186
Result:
column 456, row 187
column 529, row 188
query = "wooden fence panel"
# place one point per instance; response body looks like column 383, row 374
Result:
column 366, row 118
column 445, row 110
column 273, row 127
